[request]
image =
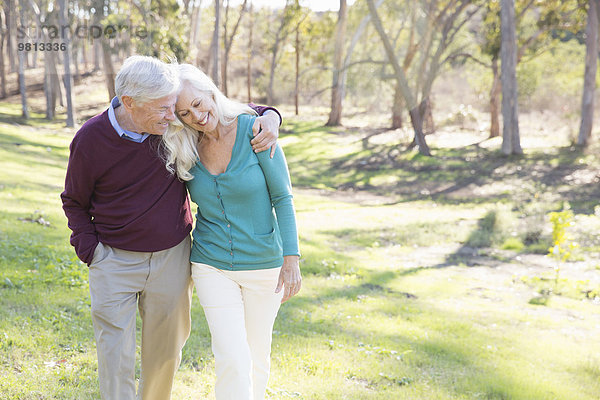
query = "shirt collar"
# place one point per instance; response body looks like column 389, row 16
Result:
column 133, row 136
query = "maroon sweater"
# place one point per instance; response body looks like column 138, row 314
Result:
column 119, row 192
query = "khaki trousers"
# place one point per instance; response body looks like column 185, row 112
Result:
column 240, row 307
column 159, row 285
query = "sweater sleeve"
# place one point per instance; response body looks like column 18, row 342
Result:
column 261, row 110
column 79, row 187
column 280, row 190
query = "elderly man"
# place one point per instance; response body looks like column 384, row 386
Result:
column 131, row 221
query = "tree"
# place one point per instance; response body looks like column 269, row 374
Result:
column 589, row 85
column 195, row 29
column 536, row 23
column 22, row 88
column 3, row 35
column 511, row 143
column 347, row 64
column 10, row 10
column 103, row 45
column 297, row 74
column 228, row 41
column 249, row 54
column 440, row 24
column 52, row 89
column 287, row 16
column 68, row 79
column 166, row 26
column 335, row 115
column 297, row 51
column 214, row 45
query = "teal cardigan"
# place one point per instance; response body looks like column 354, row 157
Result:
column 236, row 228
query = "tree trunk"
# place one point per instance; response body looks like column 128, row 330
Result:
column 228, row 41
column 495, row 100
column 270, row 94
column 22, row 88
column 54, row 62
column 51, row 84
column 127, row 37
column 21, row 67
column 297, row 74
column 417, row 124
column 195, row 28
column 76, row 71
column 249, row 56
column 335, row 116
column 194, row 21
column 68, row 79
column 52, row 87
column 274, row 51
column 589, row 82
column 279, row 37
column 214, row 46
column 401, row 82
column 426, row 109
column 97, row 43
column 358, row 34
column 511, row 143
column 397, row 108
column 97, row 48
column 109, row 70
column 200, row 58
column 11, row 27
column 225, row 52
column 49, row 91
column 84, row 54
column 2, row 61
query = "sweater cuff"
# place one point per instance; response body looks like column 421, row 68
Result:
column 261, row 110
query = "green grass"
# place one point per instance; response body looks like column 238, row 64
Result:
column 414, row 282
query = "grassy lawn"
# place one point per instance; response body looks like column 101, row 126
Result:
column 424, row 278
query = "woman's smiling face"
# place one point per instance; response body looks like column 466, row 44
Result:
column 197, row 109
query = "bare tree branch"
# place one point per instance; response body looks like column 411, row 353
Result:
column 466, row 55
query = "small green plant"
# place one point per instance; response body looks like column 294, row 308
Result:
column 513, row 243
column 562, row 242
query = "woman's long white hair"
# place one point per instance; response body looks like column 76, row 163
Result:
column 180, row 141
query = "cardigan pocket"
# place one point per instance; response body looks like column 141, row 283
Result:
column 267, row 235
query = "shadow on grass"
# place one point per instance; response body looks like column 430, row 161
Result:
column 9, row 139
column 31, row 153
column 20, row 120
column 453, row 175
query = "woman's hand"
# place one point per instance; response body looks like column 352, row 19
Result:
column 266, row 132
column 289, row 277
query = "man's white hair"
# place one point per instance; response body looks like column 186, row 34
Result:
column 145, row 78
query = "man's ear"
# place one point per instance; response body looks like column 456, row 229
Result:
column 128, row 102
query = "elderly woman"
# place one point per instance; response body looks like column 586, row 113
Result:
column 244, row 256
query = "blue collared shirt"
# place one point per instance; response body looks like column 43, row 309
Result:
column 133, row 136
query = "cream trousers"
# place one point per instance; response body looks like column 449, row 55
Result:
column 240, row 307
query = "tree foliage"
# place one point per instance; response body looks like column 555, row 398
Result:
column 290, row 57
